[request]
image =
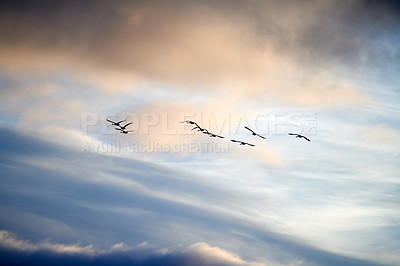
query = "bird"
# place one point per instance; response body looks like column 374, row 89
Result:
column 299, row 136
column 254, row 133
column 192, row 123
column 242, row 142
column 189, row 122
column 116, row 123
column 123, row 127
column 205, row 131
column 122, row 131
column 215, row 135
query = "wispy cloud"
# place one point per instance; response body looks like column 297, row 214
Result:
column 379, row 135
column 144, row 201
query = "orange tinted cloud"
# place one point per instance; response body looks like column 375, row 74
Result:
column 243, row 51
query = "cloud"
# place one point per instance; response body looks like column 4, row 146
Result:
column 208, row 255
column 36, row 102
column 197, row 254
column 208, row 61
column 266, row 49
column 113, row 203
column 379, row 135
column 10, row 241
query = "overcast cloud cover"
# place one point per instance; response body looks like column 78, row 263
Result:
column 74, row 191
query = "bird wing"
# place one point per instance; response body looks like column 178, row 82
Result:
column 220, row 136
column 292, row 134
column 249, row 129
column 245, row 143
column 120, row 129
column 195, row 128
column 128, row 124
column 260, row 136
column 121, row 121
column 234, row 140
column 194, row 123
column 306, row 138
column 207, row 132
column 110, row 121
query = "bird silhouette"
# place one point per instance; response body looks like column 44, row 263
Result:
column 124, row 127
column 123, row 131
column 116, row 123
column 299, row 136
column 215, row 135
column 254, row 133
column 205, row 131
column 242, row 142
column 189, row 122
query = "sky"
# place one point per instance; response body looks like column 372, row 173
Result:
column 73, row 190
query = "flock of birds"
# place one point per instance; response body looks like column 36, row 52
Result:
column 123, row 130
column 212, row 135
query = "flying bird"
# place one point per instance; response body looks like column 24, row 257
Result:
column 122, row 131
column 189, row 122
column 205, row 131
column 116, row 123
column 254, row 133
column 299, row 136
column 242, row 142
column 194, row 123
column 124, row 127
column 215, row 135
